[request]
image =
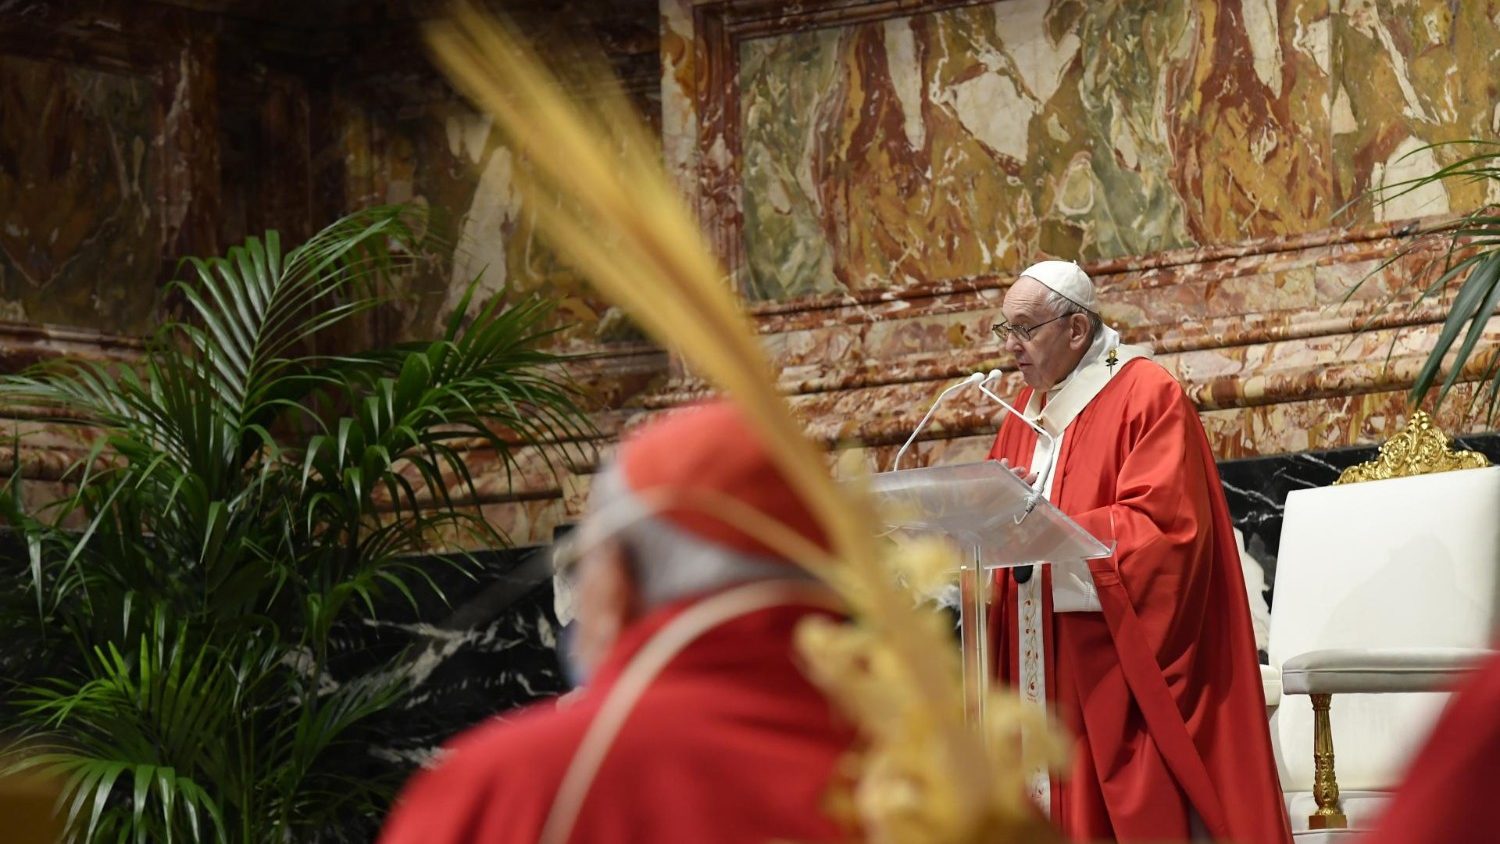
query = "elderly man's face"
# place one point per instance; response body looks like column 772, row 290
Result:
column 1055, row 346
column 606, row 600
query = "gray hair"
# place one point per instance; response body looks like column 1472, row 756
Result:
column 669, row 563
column 1063, row 306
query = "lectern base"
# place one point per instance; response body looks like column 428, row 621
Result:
column 973, row 622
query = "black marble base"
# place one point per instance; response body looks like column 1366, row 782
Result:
column 489, row 649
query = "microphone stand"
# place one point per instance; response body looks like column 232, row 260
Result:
column 976, row 378
column 1023, row 573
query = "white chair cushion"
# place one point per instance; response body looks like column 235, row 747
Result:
column 1378, row 670
column 1387, row 564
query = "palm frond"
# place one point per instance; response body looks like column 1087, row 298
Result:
column 138, row 741
column 1463, row 250
column 256, row 304
column 1476, row 300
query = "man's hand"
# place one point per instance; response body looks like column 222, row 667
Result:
column 1026, row 477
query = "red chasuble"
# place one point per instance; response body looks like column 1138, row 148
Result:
column 729, row 743
column 1446, row 793
column 1161, row 687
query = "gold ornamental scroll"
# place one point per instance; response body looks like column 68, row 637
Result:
column 1420, row 448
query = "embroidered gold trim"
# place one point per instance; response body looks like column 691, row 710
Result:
column 1420, row 448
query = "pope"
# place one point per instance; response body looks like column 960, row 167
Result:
column 1147, row 656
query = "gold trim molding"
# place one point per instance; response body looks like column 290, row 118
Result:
column 1421, row 448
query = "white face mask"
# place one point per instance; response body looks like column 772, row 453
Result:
column 574, row 671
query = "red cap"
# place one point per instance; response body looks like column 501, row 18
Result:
column 712, row 447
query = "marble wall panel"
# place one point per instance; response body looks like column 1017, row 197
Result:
column 80, row 226
column 1246, row 115
column 965, row 140
column 1257, row 488
column 443, row 156
column 108, row 162
column 960, row 142
column 880, row 155
column 679, row 113
column 493, row 651
column 1408, row 74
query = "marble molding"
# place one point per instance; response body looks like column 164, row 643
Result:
column 1277, row 353
column 1303, row 349
column 27, row 344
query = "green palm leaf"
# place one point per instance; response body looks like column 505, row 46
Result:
column 1470, row 257
column 249, row 491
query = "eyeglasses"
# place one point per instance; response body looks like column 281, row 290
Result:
column 1021, row 332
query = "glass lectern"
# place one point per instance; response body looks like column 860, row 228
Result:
column 997, row 521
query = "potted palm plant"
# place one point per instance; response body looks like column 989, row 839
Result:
column 246, row 495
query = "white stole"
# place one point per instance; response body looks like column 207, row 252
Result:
column 1072, row 585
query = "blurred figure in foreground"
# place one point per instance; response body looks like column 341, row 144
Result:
column 695, row 723
column 1445, row 796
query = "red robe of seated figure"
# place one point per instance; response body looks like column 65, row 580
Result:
column 1160, row 686
column 1445, row 796
column 729, row 743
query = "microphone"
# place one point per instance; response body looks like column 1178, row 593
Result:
column 976, row 378
column 1041, row 481
column 1023, row 573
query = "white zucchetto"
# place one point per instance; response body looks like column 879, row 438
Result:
column 1066, row 279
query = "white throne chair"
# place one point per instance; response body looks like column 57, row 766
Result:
column 1385, row 595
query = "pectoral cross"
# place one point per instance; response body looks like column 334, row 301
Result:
column 1110, row 360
